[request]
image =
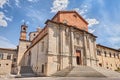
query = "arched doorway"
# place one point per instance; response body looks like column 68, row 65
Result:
column 78, row 57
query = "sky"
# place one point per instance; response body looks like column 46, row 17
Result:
column 103, row 17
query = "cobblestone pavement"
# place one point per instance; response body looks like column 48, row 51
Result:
column 62, row 78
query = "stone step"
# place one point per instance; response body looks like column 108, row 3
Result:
column 84, row 71
column 63, row 72
column 26, row 69
column 107, row 72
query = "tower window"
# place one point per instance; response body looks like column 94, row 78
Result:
column 24, row 29
column 34, row 34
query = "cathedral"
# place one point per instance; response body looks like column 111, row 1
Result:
column 64, row 42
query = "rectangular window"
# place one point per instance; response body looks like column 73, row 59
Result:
column 110, row 54
column 14, row 59
column 105, row 53
column 8, row 56
column 42, row 47
column 98, row 52
column 1, row 56
column 114, row 55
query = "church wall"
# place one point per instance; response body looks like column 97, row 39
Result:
column 57, row 47
column 38, row 56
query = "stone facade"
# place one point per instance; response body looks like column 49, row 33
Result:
column 108, row 57
column 63, row 42
column 8, row 61
column 60, row 45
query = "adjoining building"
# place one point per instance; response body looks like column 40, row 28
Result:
column 8, row 61
column 108, row 57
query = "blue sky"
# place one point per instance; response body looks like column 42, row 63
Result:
column 102, row 15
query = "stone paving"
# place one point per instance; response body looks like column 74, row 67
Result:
column 62, row 78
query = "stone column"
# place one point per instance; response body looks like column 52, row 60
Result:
column 86, row 54
column 73, row 49
column 95, row 50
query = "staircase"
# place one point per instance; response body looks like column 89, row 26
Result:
column 84, row 71
column 63, row 72
column 26, row 71
column 107, row 72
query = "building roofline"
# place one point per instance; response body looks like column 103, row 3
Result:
column 70, row 26
column 107, row 47
column 11, row 49
column 32, row 32
column 73, row 11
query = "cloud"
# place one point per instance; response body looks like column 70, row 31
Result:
column 4, row 19
column 35, row 15
column 17, row 3
column 26, row 22
column 92, row 22
column 32, row 0
column 5, row 43
column 83, row 10
column 91, row 30
column 59, row 5
column 3, row 2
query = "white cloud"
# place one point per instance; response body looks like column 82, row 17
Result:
column 35, row 15
column 3, row 22
column 92, row 22
column 32, row 0
column 23, row 21
column 59, row 5
column 91, row 30
column 4, row 19
column 3, row 2
column 82, row 11
column 5, row 43
column 17, row 2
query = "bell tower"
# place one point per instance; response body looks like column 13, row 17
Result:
column 23, row 32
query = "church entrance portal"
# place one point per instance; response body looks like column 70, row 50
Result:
column 78, row 57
